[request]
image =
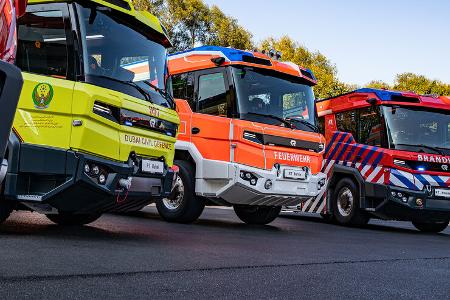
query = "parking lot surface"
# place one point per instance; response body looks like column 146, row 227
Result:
column 140, row 256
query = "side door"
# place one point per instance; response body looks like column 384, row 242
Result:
column 210, row 125
column 44, row 114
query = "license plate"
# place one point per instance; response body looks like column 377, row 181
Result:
column 294, row 174
column 442, row 193
column 152, row 166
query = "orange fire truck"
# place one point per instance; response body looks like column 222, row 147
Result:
column 248, row 136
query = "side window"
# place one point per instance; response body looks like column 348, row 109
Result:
column 183, row 88
column 370, row 128
column 42, row 45
column 348, row 122
column 321, row 124
column 212, row 94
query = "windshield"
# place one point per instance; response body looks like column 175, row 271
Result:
column 271, row 97
column 132, row 61
column 415, row 129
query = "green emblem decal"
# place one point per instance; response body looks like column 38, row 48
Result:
column 42, row 95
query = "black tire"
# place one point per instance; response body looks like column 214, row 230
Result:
column 5, row 210
column 182, row 207
column 435, row 227
column 257, row 215
column 345, row 203
column 73, row 219
column 6, row 207
column 328, row 217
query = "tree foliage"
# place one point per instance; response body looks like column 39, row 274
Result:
column 326, row 72
column 415, row 83
column 192, row 22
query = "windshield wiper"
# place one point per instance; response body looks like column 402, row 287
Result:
column 130, row 83
column 287, row 123
column 435, row 149
column 163, row 93
column 306, row 123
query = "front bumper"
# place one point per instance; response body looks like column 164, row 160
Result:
column 60, row 183
column 407, row 208
column 281, row 192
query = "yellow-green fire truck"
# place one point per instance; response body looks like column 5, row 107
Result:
column 90, row 135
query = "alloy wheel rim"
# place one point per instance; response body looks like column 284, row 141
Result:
column 345, row 202
column 174, row 201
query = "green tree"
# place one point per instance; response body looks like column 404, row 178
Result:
column 225, row 31
column 378, row 84
column 420, row 84
column 326, row 72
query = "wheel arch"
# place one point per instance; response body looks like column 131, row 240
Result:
column 340, row 172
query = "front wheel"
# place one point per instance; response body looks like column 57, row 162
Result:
column 345, row 203
column 5, row 210
column 73, row 219
column 182, row 206
column 257, row 215
column 434, row 227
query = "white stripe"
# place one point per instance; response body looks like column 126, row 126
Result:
column 322, row 205
column 397, row 182
column 317, row 201
column 365, row 169
column 305, row 205
column 374, row 174
column 381, row 180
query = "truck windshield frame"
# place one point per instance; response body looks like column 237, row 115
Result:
column 110, row 62
column 271, row 97
column 417, row 129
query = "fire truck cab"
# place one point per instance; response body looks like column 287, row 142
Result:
column 248, row 135
column 388, row 157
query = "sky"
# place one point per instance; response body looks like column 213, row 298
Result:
column 366, row 40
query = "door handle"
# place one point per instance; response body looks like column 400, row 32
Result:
column 195, row 130
column 358, row 158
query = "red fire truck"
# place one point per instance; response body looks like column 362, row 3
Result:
column 10, row 76
column 388, row 157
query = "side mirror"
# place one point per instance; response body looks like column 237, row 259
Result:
column 372, row 101
column 21, row 7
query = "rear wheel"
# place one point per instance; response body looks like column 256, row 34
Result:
column 73, row 219
column 257, row 215
column 434, row 227
column 345, row 203
column 5, row 210
column 5, row 207
column 182, row 206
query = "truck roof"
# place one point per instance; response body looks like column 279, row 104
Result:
column 359, row 98
column 202, row 58
column 127, row 7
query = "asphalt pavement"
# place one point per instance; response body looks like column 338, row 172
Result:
column 140, row 256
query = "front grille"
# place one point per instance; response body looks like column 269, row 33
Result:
column 428, row 166
column 272, row 140
column 134, row 119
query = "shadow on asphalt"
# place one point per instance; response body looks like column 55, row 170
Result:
column 87, row 232
column 212, row 223
column 377, row 227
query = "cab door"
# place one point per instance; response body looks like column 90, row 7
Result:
column 44, row 114
column 211, row 122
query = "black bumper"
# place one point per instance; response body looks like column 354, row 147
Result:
column 47, row 177
column 433, row 209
